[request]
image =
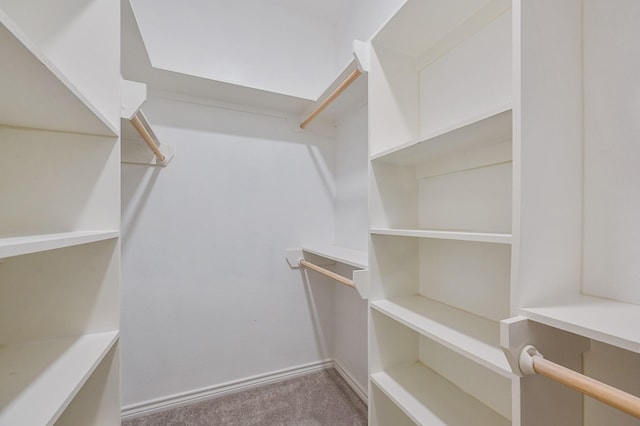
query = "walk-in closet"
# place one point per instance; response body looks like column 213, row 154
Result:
column 341, row 212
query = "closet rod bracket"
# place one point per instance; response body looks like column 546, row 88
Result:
column 519, row 334
column 525, row 361
column 532, row 362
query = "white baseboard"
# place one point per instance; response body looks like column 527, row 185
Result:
column 353, row 384
column 190, row 397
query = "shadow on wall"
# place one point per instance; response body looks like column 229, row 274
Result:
column 141, row 180
column 319, row 317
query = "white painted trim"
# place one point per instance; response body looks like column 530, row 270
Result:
column 197, row 395
column 216, row 103
column 352, row 382
column 325, row 129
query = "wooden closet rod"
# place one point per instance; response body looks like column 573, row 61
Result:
column 333, row 275
column 343, row 86
column 140, row 123
column 531, row 361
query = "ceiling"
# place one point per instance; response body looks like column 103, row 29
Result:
column 172, row 50
column 327, row 10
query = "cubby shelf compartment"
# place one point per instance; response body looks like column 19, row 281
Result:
column 40, row 379
column 470, row 335
column 608, row 321
column 16, row 246
column 445, row 235
column 429, row 399
column 355, row 258
column 473, row 134
column 26, row 75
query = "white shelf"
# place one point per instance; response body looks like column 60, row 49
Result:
column 38, row 380
column 355, row 258
column 353, row 97
column 477, row 132
column 16, row 246
column 445, row 235
column 35, row 94
column 423, row 29
column 470, row 335
column 429, row 399
column 608, row 321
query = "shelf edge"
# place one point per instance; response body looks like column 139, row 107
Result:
column 106, row 342
column 483, row 237
column 575, row 327
column 17, row 246
column 426, row 139
column 352, row 261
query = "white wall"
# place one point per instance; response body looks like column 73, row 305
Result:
column 352, row 229
column 252, row 43
column 207, row 295
column 360, row 20
column 611, row 149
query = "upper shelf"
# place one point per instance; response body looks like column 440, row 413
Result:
column 355, row 258
column 477, row 132
column 353, row 96
column 35, row 94
column 40, row 379
column 424, row 29
column 608, row 321
column 483, row 237
column 16, row 246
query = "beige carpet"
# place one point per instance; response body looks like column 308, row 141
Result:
column 317, row 399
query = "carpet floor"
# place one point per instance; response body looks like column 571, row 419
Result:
column 318, row 399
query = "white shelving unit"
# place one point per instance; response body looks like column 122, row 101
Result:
column 440, row 208
column 575, row 269
column 489, row 201
column 59, row 176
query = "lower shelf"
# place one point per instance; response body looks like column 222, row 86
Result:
column 608, row 321
column 39, row 379
column 429, row 399
column 470, row 335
